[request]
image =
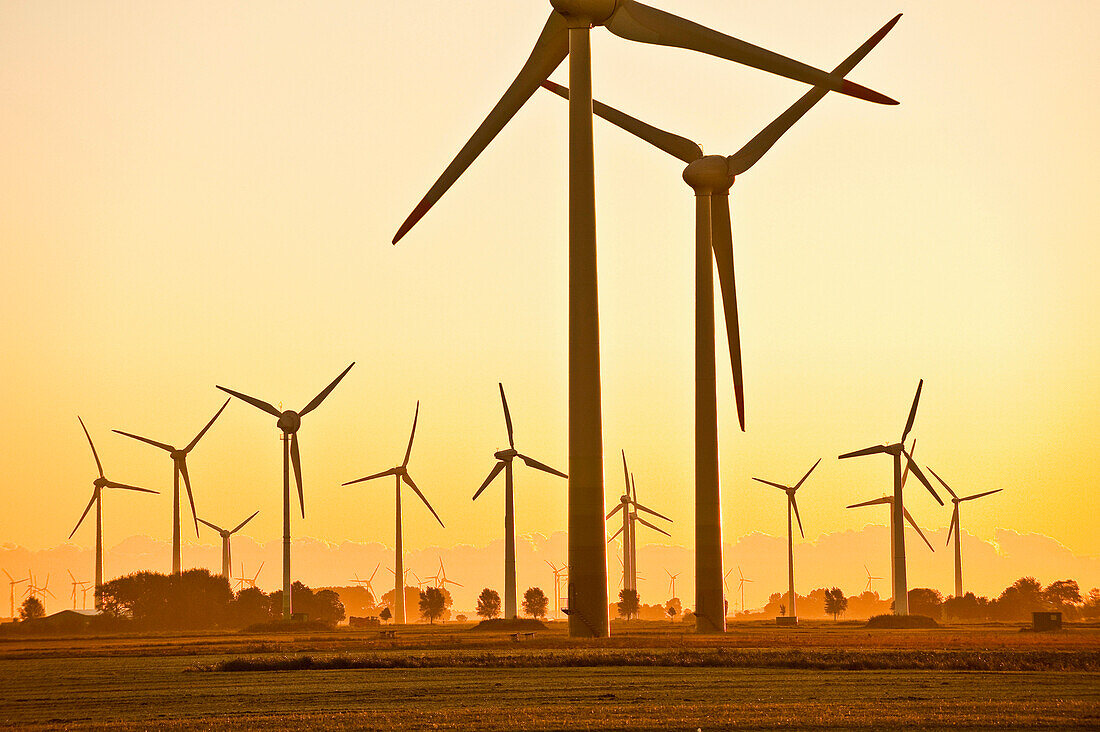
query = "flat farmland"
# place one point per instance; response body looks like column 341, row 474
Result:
column 471, row 680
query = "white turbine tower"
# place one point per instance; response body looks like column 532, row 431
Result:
column 227, row 550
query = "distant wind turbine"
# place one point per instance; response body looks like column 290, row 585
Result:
column 869, row 579
column 897, row 450
column 401, row 475
column 672, row 583
column 289, row 422
column 179, row 467
column 957, row 529
column 628, row 504
column 366, row 583
column 441, row 580
column 227, row 551
column 12, row 582
column 504, row 462
column 792, row 504
column 741, row 586
column 79, row 585
column 97, row 500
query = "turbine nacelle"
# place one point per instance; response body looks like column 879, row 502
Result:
column 178, row 455
column 289, row 422
column 506, row 455
column 592, row 12
column 400, row 470
column 708, row 175
column 101, row 483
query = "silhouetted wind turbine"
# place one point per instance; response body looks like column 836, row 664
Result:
column 504, row 462
column 792, row 503
column 33, row 590
column 672, row 583
column 227, row 551
column 711, row 177
column 179, row 467
column 401, row 474
column 441, row 580
column 741, row 586
column 290, row 422
column 567, row 32
column 628, row 504
column 367, row 582
column 82, row 586
column 97, row 500
column 12, row 582
column 897, row 450
column 956, row 529
column 869, row 578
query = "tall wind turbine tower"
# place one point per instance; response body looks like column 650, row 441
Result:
column 401, row 475
column 741, row 586
column 711, row 177
column 956, row 529
column 12, row 582
column 568, row 33
column 97, row 500
column 227, row 550
column 504, row 462
column 897, row 451
column 289, row 422
column 179, row 467
column 628, row 504
column 792, row 505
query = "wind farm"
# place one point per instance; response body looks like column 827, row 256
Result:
column 203, row 197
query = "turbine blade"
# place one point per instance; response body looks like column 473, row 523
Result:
column 492, row 475
column 980, row 495
column 676, row 146
column 912, row 411
column 905, row 471
column 258, row 403
column 626, row 474
column 532, row 463
column 182, row 466
column 316, row 401
column 866, row 451
column 507, row 416
column 412, row 434
column 191, row 445
column 721, row 238
column 951, row 526
column 920, row 476
column 914, row 525
column 549, row 51
column 807, row 475
column 125, row 487
column 146, row 440
column 296, row 462
column 640, row 507
column 383, row 474
column 92, row 445
column 409, row 481
column 615, row 511
column 776, row 485
column 207, row 523
column 874, row 502
column 95, row 494
column 755, row 148
column 794, row 504
column 241, row 524
column 643, row 522
column 941, row 480
column 637, row 22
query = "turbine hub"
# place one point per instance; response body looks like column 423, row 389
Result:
column 401, row 470
column 178, row 455
column 101, row 482
column 506, row 455
column 289, row 422
column 594, row 12
column 709, row 174
column 624, row 499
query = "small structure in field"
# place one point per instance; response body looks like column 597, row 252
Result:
column 1046, row 621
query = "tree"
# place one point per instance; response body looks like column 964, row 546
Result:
column 628, row 603
column 1091, row 609
column 488, row 604
column 460, row 618
column 535, row 602
column 385, row 614
column 432, row 604
column 925, row 601
column 1020, row 599
column 835, row 602
column 1063, row 595
column 967, row 607
column 249, row 607
column 32, row 609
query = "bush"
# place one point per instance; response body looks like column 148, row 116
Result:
column 902, row 621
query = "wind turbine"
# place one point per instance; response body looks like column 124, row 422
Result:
column 289, row 422
column 97, row 500
column 504, row 462
column 672, row 583
column 741, row 586
column 33, row 590
column 567, row 33
column 366, row 584
column 243, row 581
column 956, row 529
column 179, row 467
column 560, row 574
column 897, row 513
column 628, row 504
column 227, row 551
column 401, row 475
column 12, row 582
column 711, row 177
column 869, row 579
column 441, row 580
column 77, row 584
column 792, row 503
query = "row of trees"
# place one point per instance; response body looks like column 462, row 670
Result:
column 1016, row 603
column 535, row 603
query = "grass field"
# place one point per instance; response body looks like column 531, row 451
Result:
column 132, row 682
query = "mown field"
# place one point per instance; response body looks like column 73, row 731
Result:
column 647, row 676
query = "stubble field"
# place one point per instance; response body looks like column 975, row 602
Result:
column 647, row 676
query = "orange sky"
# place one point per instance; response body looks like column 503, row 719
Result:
column 205, row 194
